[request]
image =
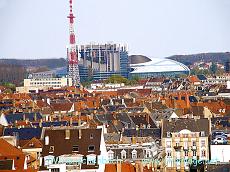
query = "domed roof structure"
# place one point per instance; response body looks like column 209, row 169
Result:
column 159, row 66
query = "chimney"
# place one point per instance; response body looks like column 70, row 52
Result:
column 147, row 118
column 122, row 101
column 119, row 166
column 187, row 101
column 71, row 121
column 228, row 85
column 179, row 96
column 48, row 101
column 40, row 124
column 111, row 101
column 24, row 117
column 134, row 100
column 79, row 124
column 35, row 117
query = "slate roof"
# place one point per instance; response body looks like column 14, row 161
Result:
column 148, row 132
column 51, row 123
column 112, row 108
column 201, row 77
column 142, row 119
column 104, row 117
column 63, row 146
column 23, row 133
column 12, row 118
column 194, row 125
column 158, row 115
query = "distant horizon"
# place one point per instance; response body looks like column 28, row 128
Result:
column 129, row 55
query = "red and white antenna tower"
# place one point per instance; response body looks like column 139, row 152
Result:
column 72, row 51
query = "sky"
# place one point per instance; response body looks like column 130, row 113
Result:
column 155, row 28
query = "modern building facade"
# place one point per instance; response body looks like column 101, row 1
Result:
column 100, row 61
column 41, row 83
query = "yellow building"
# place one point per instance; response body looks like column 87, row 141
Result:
column 185, row 142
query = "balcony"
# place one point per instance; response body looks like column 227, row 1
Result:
column 177, row 147
column 185, row 148
column 193, row 147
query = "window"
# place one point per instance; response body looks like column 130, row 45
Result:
column 202, row 143
column 134, row 154
column 177, row 144
column 203, row 153
column 185, row 145
column 168, row 144
column 168, row 134
column 55, row 170
column 185, row 153
column 51, row 149
column 202, row 133
column 111, row 155
column 47, row 140
column 193, row 153
column 169, row 154
column 123, row 154
column 91, row 136
column 148, row 154
column 193, row 143
column 91, row 148
column 75, row 148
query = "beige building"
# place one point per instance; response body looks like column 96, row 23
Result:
column 185, row 142
column 35, row 84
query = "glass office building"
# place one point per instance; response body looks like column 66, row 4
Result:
column 100, row 61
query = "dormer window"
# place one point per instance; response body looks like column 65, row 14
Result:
column 168, row 134
column 123, row 154
column 111, row 155
column 47, row 140
column 134, row 154
column 91, row 148
column 202, row 133
column 51, row 149
column 31, row 144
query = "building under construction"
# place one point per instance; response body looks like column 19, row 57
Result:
column 100, row 61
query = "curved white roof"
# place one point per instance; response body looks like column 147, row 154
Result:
column 159, row 65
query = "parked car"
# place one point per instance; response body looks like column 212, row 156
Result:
column 219, row 133
column 219, row 140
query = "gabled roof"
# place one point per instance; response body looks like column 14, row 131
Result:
column 6, row 149
column 61, row 106
column 33, row 143
column 193, row 79
column 202, row 77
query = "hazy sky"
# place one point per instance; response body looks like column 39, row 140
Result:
column 156, row 28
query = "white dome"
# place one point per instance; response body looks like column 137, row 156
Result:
column 159, row 65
